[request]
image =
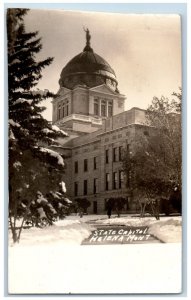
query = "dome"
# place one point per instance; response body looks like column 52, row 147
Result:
column 88, row 69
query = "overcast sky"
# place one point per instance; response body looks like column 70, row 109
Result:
column 144, row 50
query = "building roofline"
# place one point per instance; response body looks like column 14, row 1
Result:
column 108, row 132
column 137, row 108
column 104, row 84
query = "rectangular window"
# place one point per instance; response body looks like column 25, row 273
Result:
column 110, row 109
column 114, row 154
column 96, row 107
column 107, row 156
column 63, row 111
column 120, row 153
column 95, row 185
column 107, row 178
column 59, row 112
column 85, row 165
column 121, row 179
column 75, row 188
column 76, row 167
column 114, row 180
column 128, row 178
column 66, row 110
column 95, row 162
column 85, row 187
column 103, row 108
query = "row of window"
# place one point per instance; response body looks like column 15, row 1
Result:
column 117, row 183
column 63, row 110
column 89, row 149
column 117, row 180
column 85, row 187
column 117, row 156
column 103, row 107
column 95, row 164
column 117, row 136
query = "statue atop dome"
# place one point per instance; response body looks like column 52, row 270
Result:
column 87, row 68
column 88, row 36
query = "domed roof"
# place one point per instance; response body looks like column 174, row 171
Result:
column 87, row 68
column 88, row 62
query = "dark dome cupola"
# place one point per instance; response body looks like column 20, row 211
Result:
column 87, row 69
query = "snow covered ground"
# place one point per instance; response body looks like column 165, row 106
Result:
column 167, row 229
column 51, row 260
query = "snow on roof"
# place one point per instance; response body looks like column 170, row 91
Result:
column 53, row 154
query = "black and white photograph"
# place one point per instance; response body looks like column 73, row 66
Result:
column 95, row 152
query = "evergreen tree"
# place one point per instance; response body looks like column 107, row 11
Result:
column 34, row 169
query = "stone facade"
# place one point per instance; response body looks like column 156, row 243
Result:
column 83, row 109
column 94, row 167
column 90, row 108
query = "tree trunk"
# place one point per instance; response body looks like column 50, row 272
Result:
column 13, row 230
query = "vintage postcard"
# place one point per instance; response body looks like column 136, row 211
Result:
column 95, row 152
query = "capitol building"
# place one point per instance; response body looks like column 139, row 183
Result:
column 90, row 108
